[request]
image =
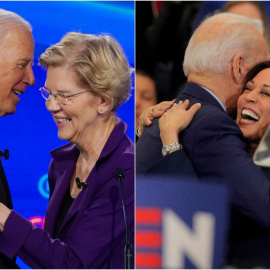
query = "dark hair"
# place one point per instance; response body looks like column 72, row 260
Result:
column 144, row 73
column 255, row 70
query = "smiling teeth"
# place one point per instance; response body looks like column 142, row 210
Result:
column 251, row 114
column 17, row 92
column 64, row 120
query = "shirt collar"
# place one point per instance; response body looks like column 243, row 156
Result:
column 217, row 99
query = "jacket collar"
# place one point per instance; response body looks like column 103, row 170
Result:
column 196, row 91
column 65, row 158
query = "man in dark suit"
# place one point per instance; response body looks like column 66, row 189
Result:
column 217, row 58
column 5, row 198
column 16, row 58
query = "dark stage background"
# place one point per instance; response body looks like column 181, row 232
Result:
column 31, row 133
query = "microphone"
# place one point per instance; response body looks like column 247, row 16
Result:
column 120, row 176
column 80, row 184
column 4, row 154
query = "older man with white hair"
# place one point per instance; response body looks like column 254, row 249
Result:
column 16, row 59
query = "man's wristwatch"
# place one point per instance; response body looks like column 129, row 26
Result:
column 166, row 149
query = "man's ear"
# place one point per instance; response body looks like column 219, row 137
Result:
column 104, row 106
column 237, row 69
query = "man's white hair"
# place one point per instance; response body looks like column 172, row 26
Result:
column 218, row 39
column 9, row 19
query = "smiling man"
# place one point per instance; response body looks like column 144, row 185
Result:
column 16, row 58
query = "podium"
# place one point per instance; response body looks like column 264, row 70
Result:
column 180, row 224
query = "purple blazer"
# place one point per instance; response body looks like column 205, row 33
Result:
column 92, row 234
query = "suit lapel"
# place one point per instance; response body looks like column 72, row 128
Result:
column 63, row 178
column 83, row 199
column 5, row 196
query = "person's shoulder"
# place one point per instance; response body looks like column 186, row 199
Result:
column 211, row 123
column 125, row 150
column 120, row 139
column 118, row 151
column 121, row 158
column 209, row 111
column 214, row 120
column 128, row 146
column 124, row 153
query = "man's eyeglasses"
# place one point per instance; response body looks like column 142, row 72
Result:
column 60, row 97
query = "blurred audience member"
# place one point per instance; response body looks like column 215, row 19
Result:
column 251, row 9
column 144, row 18
column 163, row 44
column 145, row 92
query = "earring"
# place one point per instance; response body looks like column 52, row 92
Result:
column 100, row 110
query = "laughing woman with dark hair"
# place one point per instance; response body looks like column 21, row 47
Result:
column 253, row 110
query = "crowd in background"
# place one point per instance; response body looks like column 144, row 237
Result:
column 163, row 29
